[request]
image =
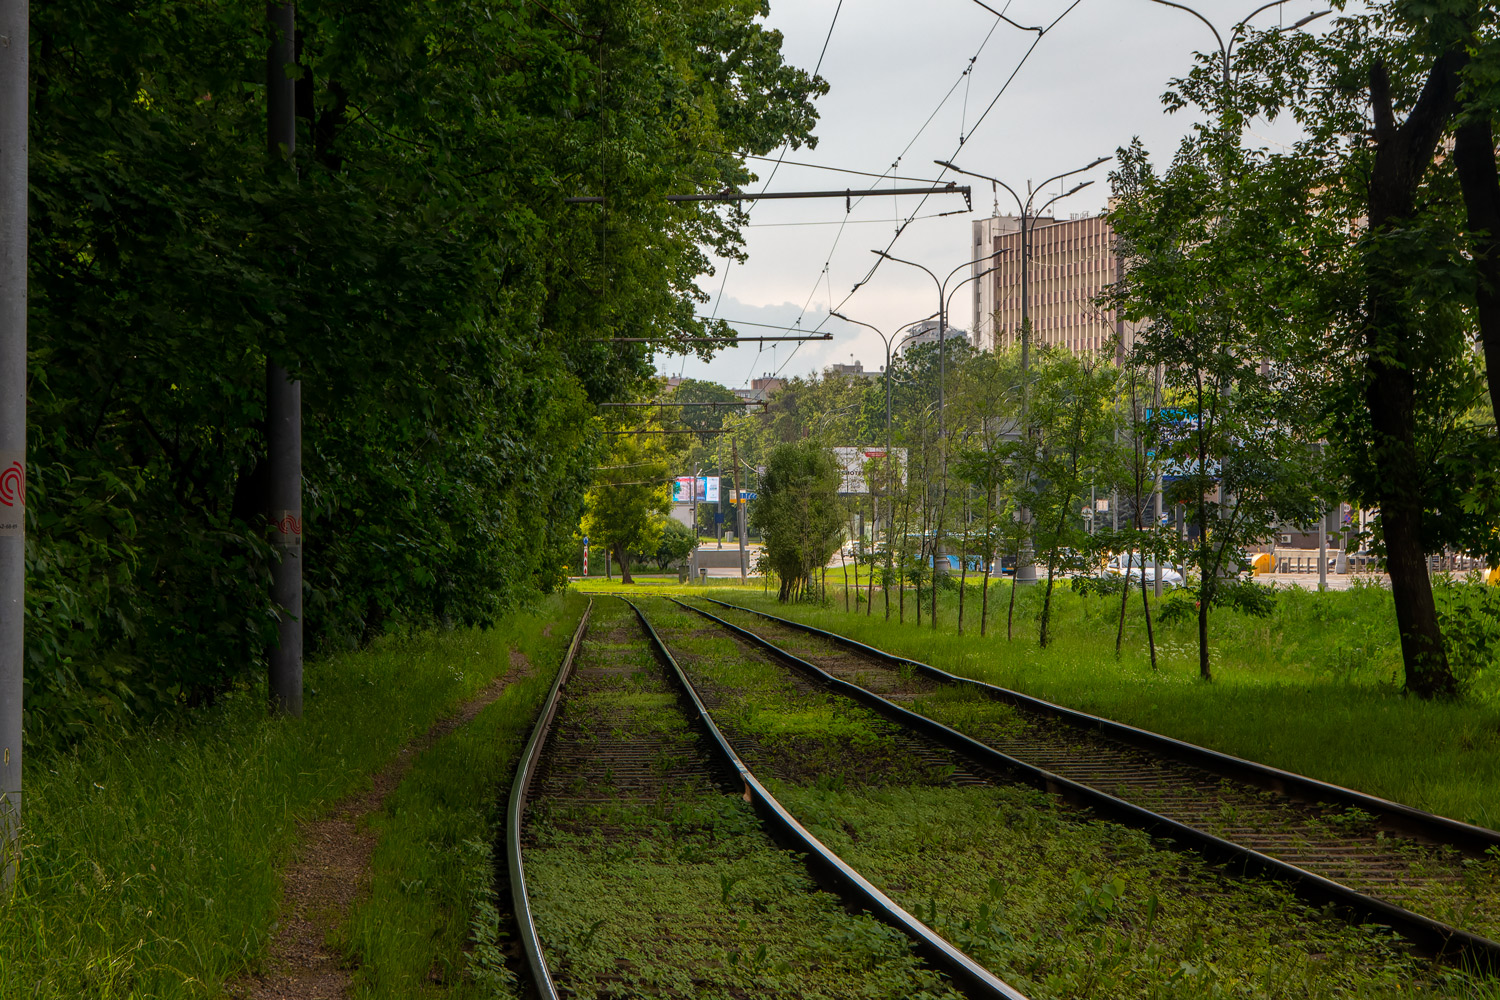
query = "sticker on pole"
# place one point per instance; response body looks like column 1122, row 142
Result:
column 286, row 529
column 12, row 493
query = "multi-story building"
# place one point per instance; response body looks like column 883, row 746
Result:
column 926, row 332
column 1072, row 262
column 855, row 370
column 760, row 388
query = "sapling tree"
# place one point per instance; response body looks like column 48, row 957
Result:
column 626, row 507
column 1072, row 418
column 988, row 400
column 1232, row 434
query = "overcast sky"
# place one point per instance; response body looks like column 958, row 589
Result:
column 1091, row 84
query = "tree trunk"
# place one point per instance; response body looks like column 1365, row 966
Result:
column 989, row 560
column 1402, row 156
column 1132, row 540
column 1010, row 613
column 1051, row 571
column 624, row 562
column 1474, row 156
column 1146, row 607
column 963, row 562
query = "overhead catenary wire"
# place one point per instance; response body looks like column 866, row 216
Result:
column 824, row 273
column 1041, row 33
column 724, row 282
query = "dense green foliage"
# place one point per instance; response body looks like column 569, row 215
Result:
column 1357, row 269
column 419, row 271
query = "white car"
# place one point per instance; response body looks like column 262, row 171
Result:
column 1129, row 564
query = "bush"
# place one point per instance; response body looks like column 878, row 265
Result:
column 1246, row 596
column 1469, row 613
column 1097, row 586
column 677, row 541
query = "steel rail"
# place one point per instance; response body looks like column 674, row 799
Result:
column 531, row 943
column 973, row 978
column 1396, row 817
column 1436, row 938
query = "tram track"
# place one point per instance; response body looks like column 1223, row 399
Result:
column 1433, row 880
column 626, row 776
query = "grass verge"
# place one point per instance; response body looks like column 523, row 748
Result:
column 150, row 863
column 1313, row 689
column 431, row 921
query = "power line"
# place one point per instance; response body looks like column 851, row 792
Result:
column 838, row 170
column 847, row 221
column 968, row 69
column 784, row 146
column 964, row 141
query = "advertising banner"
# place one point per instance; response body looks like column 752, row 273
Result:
column 682, row 489
column 852, row 463
column 708, row 489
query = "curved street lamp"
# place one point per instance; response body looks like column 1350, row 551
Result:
column 1025, row 570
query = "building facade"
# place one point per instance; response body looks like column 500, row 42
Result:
column 1072, row 262
column 926, row 332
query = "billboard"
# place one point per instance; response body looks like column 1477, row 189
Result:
column 705, row 489
column 852, row 463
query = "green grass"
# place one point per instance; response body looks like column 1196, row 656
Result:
column 1057, row 904
column 1063, row 909
column 430, row 924
column 684, row 895
column 1314, row 689
column 150, row 866
column 655, row 586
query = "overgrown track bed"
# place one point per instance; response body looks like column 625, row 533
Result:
column 649, row 873
column 1049, row 897
column 1391, row 855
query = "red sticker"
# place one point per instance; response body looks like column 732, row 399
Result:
column 13, row 484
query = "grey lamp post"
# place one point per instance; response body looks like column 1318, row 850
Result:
column 1234, row 34
column 1025, row 570
column 887, row 342
column 942, row 287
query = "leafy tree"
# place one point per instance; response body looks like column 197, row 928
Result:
column 798, row 512
column 988, row 394
column 1389, row 318
column 1072, row 423
column 703, row 419
column 421, row 273
column 1231, row 430
column 676, row 544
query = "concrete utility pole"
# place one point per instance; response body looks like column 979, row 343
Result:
column 284, row 400
column 14, row 81
column 1323, row 551
column 740, row 514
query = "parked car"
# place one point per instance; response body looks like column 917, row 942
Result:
column 1129, row 564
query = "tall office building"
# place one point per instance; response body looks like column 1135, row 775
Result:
column 1072, row 262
